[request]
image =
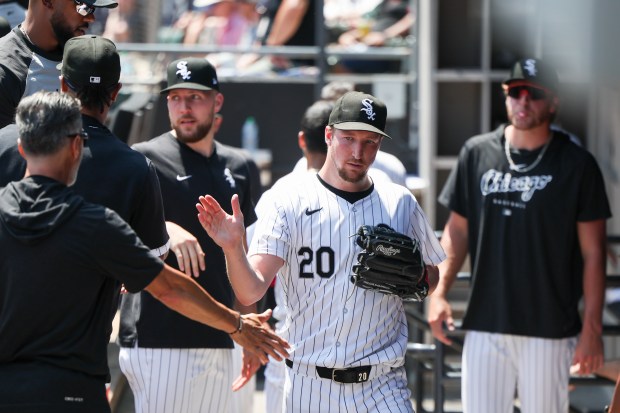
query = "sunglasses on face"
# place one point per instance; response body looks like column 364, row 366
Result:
column 82, row 134
column 83, row 9
column 533, row 92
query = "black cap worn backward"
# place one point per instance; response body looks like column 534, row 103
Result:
column 192, row 73
column 109, row 4
column 90, row 60
column 533, row 71
column 359, row 111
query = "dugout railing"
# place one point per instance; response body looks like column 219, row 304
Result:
column 434, row 368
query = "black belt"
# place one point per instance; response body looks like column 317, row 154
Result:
column 350, row 375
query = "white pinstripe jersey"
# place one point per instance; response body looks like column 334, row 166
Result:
column 329, row 321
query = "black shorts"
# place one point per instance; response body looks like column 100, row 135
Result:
column 37, row 388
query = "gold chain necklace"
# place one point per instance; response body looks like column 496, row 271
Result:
column 529, row 167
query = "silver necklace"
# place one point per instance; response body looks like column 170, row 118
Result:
column 25, row 34
column 523, row 169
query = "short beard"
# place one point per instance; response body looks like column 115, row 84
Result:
column 61, row 31
column 352, row 179
column 199, row 133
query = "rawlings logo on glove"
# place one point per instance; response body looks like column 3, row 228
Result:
column 389, row 251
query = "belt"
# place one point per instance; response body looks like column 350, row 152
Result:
column 351, row 375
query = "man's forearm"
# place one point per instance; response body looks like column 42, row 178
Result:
column 593, row 297
column 184, row 295
column 248, row 284
column 454, row 241
column 592, row 241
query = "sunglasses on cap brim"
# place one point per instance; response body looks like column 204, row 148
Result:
column 84, row 9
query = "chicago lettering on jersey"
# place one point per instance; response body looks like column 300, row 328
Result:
column 494, row 181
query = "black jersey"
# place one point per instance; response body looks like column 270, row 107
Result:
column 61, row 264
column 523, row 239
column 184, row 175
column 24, row 69
column 116, row 176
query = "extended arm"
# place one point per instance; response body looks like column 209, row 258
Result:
column 454, row 242
column 184, row 295
column 249, row 362
column 592, row 241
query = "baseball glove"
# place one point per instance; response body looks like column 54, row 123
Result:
column 390, row 263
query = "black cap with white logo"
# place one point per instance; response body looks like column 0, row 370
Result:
column 359, row 111
column 533, row 71
column 191, row 73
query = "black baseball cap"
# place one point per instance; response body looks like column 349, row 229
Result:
column 110, row 4
column 533, row 71
column 192, row 73
column 359, row 111
column 90, row 60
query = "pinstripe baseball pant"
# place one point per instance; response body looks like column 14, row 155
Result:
column 494, row 365
column 241, row 401
column 275, row 376
column 387, row 393
column 179, row 380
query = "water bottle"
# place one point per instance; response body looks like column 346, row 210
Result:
column 249, row 134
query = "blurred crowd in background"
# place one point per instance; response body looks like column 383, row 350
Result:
column 353, row 24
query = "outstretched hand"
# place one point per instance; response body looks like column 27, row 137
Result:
column 256, row 338
column 226, row 230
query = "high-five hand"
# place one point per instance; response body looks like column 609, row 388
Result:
column 226, row 230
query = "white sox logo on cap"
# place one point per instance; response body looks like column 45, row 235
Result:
column 183, row 70
column 368, row 109
column 530, row 66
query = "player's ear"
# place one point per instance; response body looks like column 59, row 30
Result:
column 64, row 88
column 20, row 148
column 329, row 134
column 217, row 122
column 555, row 102
column 77, row 144
column 114, row 93
column 219, row 102
column 301, row 140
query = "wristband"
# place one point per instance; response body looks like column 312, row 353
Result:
column 239, row 327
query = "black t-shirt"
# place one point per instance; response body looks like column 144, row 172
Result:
column 24, row 69
column 114, row 175
column 185, row 175
column 58, row 290
column 527, row 270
